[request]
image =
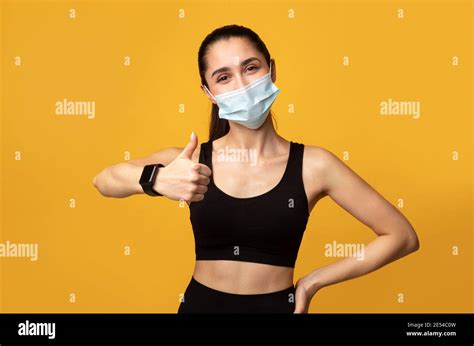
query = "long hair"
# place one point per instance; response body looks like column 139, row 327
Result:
column 219, row 127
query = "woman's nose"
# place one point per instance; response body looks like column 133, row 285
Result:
column 241, row 82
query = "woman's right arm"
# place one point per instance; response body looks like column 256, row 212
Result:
column 180, row 179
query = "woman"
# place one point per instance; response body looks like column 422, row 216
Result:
column 248, row 216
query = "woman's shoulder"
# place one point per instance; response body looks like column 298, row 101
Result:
column 318, row 157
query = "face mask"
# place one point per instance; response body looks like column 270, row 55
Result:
column 250, row 105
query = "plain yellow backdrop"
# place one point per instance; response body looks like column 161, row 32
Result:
column 48, row 197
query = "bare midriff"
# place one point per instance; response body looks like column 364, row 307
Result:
column 240, row 277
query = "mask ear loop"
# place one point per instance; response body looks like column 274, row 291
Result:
column 210, row 93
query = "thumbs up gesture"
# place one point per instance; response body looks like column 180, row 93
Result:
column 184, row 179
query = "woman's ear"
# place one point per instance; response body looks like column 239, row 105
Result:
column 273, row 70
column 207, row 94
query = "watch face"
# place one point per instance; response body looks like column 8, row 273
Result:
column 147, row 175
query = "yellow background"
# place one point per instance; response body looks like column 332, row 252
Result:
column 81, row 249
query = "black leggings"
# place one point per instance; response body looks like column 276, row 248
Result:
column 199, row 298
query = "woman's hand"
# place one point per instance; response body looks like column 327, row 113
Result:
column 305, row 291
column 182, row 178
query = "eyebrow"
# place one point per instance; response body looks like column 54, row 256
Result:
column 223, row 69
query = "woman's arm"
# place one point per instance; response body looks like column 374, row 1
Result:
column 122, row 179
column 181, row 179
column 396, row 236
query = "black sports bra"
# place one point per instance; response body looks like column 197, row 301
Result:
column 267, row 228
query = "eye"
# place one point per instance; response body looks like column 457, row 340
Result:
column 255, row 67
column 249, row 68
column 221, row 78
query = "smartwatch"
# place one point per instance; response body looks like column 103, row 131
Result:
column 148, row 177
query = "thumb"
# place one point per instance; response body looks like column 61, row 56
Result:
column 299, row 308
column 190, row 147
column 300, row 303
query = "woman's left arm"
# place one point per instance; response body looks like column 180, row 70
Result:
column 396, row 236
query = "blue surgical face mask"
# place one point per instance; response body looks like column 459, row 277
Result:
column 248, row 106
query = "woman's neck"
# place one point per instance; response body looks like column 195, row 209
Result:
column 264, row 140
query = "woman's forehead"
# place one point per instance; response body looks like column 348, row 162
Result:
column 230, row 51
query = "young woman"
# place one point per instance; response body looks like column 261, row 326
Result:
column 248, row 216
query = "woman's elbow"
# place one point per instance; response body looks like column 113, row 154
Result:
column 413, row 243
column 94, row 182
column 98, row 184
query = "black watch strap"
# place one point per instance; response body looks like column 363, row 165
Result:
column 148, row 177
